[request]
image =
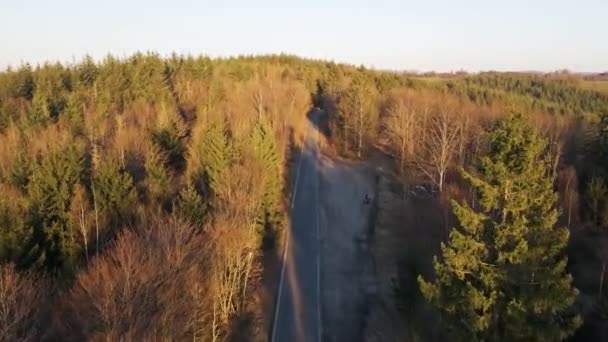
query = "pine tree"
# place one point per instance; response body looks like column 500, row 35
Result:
column 503, row 273
column 265, row 151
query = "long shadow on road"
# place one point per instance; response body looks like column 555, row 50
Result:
column 327, row 269
column 297, row 310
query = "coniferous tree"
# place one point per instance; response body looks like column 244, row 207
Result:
column 503, row 272
column 157, row 177
column 23, row 85
column 214, row 152
column 265, row 151
column 115, row 194
column 13, row 230
column 21, row 171
column 39, row 113
column 596, row 196
column 170, row 139
column 87, row 72
column 596, row 149
column 191, row 206
column 74, row 114
column 50, row 192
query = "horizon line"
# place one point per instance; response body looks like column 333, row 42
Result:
column 74, row 60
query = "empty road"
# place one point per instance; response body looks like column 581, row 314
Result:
column 328, row 273
column 298, row 306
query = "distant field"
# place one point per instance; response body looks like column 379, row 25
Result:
column 601, row 86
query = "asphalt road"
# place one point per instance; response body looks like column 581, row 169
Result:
column 298, row 305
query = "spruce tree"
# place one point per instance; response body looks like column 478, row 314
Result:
column 86, row 73
column 157, row 177
column 265, row 151
column 191, row 206
column 214, row 153
column 503, row 275
column 169, row 138
column 39, row 113
column 115, row 194
column 50, row 193
column 74, row 114
column 13, row 230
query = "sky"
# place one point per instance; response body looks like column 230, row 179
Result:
column 438, row 35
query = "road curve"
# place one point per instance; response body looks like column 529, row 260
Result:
column 297, row 315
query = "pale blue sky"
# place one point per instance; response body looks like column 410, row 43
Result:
column 415, row 35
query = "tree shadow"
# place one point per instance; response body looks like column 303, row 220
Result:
column 272, row 240
column 320, row 121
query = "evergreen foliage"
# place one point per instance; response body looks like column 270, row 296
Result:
column 157, row 177
column 265, row 151
column 498, row 276
column 21, row 171
column 214, row 153
column 13, row 230
column 39, row 113
column 74, row 114
column 87, row 73
column 170, row 139
column 191, row 206
column 502, row 275
column 115, row 194
column 50, row 192
column 596, row 195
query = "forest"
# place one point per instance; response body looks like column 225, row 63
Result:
column 141, row 198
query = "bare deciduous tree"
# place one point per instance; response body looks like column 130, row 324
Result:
column 400, row 127
column 439, row 146
column 21, row 301
column 149, row 285
column 235, row 240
